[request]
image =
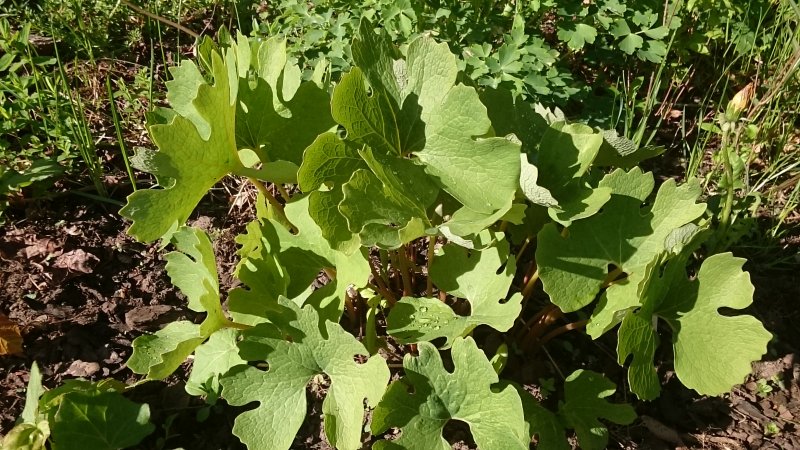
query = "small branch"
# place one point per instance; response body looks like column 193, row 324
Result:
column 282, row 191
column 163, row 20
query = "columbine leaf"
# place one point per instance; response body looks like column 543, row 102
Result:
column 574, row 268
column 293, row 364
column 712, row 352
column 495, row 418
column 576, row 35
column 102, row 421
column 468, row 274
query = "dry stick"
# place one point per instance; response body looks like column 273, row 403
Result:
column 431, row 250
column 160, row 19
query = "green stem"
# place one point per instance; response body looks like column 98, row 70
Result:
column 431, row 251
column 725, row 218
column 405, row 274
column 276, row 206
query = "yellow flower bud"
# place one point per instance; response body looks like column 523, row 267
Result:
column 741, row 100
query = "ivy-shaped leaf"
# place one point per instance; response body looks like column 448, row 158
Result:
column 712, row 351
column 467, row 274
column 428, row 396
column 212, row 359
column 574, row 267
column 298, row 354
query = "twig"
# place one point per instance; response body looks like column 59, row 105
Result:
column 164, row 20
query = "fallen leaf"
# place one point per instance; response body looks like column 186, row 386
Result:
column 10, row 337
column 82, row 369
column 41, row 247
column 77, row 261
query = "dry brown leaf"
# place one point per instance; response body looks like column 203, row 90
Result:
column 10, row 337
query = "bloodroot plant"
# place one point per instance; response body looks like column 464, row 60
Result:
column 450, row 227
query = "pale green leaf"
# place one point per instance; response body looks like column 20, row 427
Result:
column 293, row 364
column 574, row 267
column 30, row 412
column 585, row 394
column 482, row 277
column 211, row 360
column 428, row 396
column 26, row 436
column 530, row 188
column 187, row 165
column 481, row 173
column 106, row 421
column 158, row 355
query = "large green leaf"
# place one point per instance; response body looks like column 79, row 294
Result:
column 428, row 396
column 418, row 132
column 712, row 351
column 192, row 268
column 102, row 421
column 297, row 354
column 187, row 164
column 198, row 141
column 573, row 267
column 212, row 359
column 482, row 277
column 584, row 404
